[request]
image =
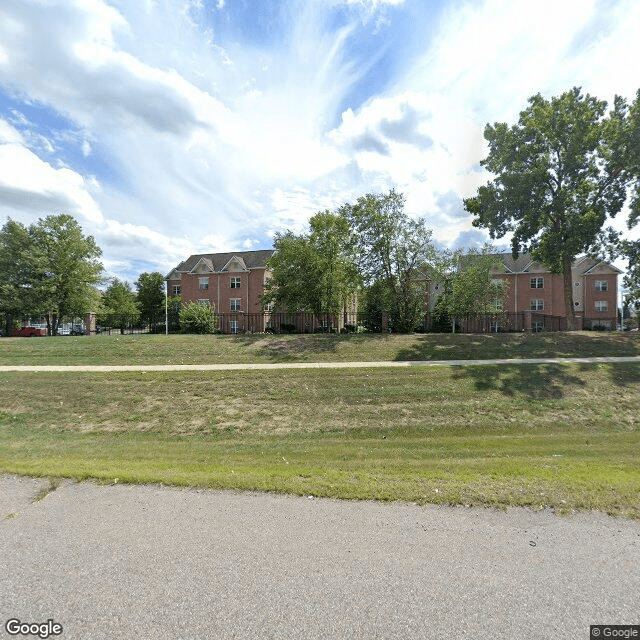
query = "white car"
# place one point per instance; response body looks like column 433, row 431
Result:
column 71, row 329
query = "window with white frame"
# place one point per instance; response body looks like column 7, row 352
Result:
column 175, row 290
column 235, row 304
column 602, row 285
column 537, row 326
column 537, row 304
column 233, row 326
column 602, row 305
column 235, row 282
column 203, row 284
column 494, row 327
column 497, row 305
column 537, row 283
column 204, row 301
column 601, row 324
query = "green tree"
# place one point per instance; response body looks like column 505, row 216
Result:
column 120, row 308
column 17, row 273
column 69, row 270
column 313, row 271
column 197, row 317
column 49, row 268
column 151, row 298
column 394, row 252
column 174, row 306
column 560, row 173
column 631, row 248
column 466, row 283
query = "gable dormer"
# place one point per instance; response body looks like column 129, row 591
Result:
column 204, row 265
column 235, row 264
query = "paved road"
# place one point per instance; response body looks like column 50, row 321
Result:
column 314, row 365
column 129, row 562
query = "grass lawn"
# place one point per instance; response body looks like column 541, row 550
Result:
column 185, row 349
column 565, row 436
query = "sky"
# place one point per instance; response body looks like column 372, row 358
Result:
column 174, row 127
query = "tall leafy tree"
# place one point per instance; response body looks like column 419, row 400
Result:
column 70, row 269
column 17, row 273
column 151, row 298
column 394, row 252
column 119, row 308
column 467, row 283
column 313, row 271
column 631, row 248
column 49, row 268
column 560, row 174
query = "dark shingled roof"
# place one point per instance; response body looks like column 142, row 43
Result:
column 524, row 263
column 252, row 259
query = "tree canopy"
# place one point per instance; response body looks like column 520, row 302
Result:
column 151, row 298
column 49, row 268
column 119, row 308
column 393, row 252
column 313, row 271
column 561, row 172
column 466, row 283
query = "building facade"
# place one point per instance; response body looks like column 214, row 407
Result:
column 532, row 288
column 234, row 282
column 231, row 282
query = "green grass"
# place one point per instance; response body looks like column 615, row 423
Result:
column 565, row 436
column 184, row 349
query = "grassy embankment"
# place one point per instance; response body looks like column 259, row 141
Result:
column 565, row 436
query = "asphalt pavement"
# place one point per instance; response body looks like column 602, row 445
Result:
column 152, row 562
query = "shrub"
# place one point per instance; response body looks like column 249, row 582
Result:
column 288, row 328
column 196, row 317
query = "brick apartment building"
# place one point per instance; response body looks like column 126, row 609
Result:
column 233, row 283
column 530, row 287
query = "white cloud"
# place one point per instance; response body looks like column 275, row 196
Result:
column 31, row 186
column 205, row 142
column 9, row 133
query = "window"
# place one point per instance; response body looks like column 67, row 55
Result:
column 269, row 307
column 537, row 283
column 536, row 327
column 602, row 305
column 600, row 325
column 497, row 305
column 235, row 282
column 175, row 290
column 203, row 284
column 537, row 305
column 601, row 285
column 233, row 326
column 204, row 301
column 235, row 304
column 494, row 327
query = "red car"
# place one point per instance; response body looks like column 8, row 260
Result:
column 28, row 332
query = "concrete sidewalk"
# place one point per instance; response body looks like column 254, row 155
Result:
column 315, row 365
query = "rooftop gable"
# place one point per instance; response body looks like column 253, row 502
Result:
column 220, row 261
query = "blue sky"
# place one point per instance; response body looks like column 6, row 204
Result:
column 172, row 127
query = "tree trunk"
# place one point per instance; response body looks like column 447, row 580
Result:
column 568, row 293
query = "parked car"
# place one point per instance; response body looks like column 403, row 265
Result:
column 28, row 332
column 71, row 329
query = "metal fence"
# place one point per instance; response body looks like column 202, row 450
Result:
column 505, row 322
